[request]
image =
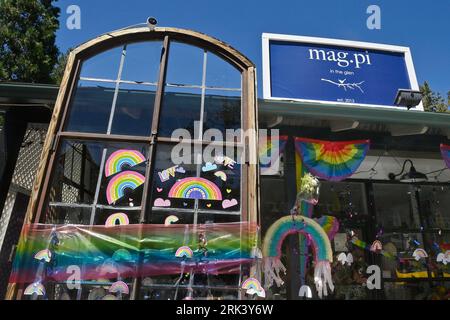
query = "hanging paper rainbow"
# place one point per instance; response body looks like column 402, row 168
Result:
column 119, row 286
column 419, row 253
column 118, row 218
column 323, row 254
column 253, row 286
column 332, row 160
column 119, row 183
column 34, row 288
column 140, row 250
column 45, row 255
column 121, row 159
column 445, row 152
column 195, row 188
column 184, row 252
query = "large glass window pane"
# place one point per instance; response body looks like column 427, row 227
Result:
column 221, row 74
column 104, row 65
column 91, row 107
column 185, row 64
column 142, row 62
column 107, row 176
column 435, row 201
column 180, row 110
column 222, row 111
column 396, row 206
column 134, row 110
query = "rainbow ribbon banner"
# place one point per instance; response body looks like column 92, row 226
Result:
column 105, row 252
column 332, row 160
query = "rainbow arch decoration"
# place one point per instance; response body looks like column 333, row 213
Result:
column 119, row 286
column 122, row 181
column 319, row 240
column 445, row 152
column 195, row 188
column 44, row 254
column 253, row 286
column 118, row 218
column 184, row 252
column 34, row 288
column 332, row 160
column 121, row 159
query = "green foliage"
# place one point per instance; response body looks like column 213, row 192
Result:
column 27, row 35
column 432, row 101
column 58, row 70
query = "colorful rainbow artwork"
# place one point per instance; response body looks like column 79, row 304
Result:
column 329, row 224
column 122, row 181
column 118, row 218
column 222, row 175
column 119, row 286
column 184, row 252
column 195, row 188
column 34, row 288
column 420, row 253
column 332, row 160
column 45, row 255
column 253, row 286
column 314, row 234
column 121, row 159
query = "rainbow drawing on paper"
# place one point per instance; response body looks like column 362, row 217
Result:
column 253, row 286
column 332, row 160
column 195, row 188
column 314, row 234
column 184, row 252
column 122, row 181
column 121, row 159
column 119, row 286
column 118, row 218
column 34, row 288
column 45, row 255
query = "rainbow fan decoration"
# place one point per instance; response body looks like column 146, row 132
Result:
column 45, row 255
column 119, row 286
column 122, row 181
column 332, row 160
column 195, row 188
column 115, row 219
column 34, row 288
column 253, row 286
column 121, row 159
column 445, row 152
column 330, row 225
column 184, row 252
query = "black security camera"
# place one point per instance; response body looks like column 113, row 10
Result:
column 152, row 22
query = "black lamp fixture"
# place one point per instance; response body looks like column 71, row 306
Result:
column 412, row 176
column 408, row 98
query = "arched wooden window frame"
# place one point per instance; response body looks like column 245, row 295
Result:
column 250, row 176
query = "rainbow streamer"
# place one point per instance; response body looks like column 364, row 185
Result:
column 269, row 151
column 119, row 183
column 445, row 152
column 132, row 250
column 121, row 159
column 195, row 188
column 332, row 160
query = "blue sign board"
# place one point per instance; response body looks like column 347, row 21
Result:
column 321, row 71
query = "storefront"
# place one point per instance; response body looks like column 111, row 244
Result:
column 113, row 216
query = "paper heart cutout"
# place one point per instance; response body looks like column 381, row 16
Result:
column 209, row 205
column 228, row 190
column 159, row 202
column 159, row 189
column 229, row 203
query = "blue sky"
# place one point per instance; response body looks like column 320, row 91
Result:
column 421, row 25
